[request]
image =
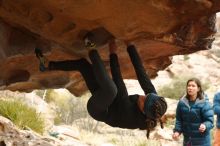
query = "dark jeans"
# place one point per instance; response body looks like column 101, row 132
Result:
column 99, row 83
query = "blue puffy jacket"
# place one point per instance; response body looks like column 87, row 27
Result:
column 216, row 107
column 188, row 120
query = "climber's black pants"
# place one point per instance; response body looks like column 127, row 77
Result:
column 99, row 83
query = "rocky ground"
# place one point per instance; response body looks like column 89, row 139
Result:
column 82, row 132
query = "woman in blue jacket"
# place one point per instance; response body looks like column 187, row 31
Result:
column 216, row 108
column 194, row 116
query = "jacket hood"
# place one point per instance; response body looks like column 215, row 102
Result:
column 186, row 101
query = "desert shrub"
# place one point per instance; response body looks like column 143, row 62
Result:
column 216, row 52
column 39, row 92
column 88, row 124
column 177, row 88
column 22, row 115
column 148, row 143
column 67, row 107
column 71, row 109
column 48, row 95
column 57, row 119
column 186, row 57
column 129, row 141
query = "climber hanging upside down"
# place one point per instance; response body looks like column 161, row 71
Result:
column 110, row 102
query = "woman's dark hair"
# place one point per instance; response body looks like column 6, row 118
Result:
column 200, row 94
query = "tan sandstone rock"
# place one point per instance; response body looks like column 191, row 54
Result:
column 159, row 28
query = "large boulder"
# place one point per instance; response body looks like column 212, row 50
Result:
column 159, row 29
column 11, row 135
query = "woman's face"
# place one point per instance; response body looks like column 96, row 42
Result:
column 192, row 89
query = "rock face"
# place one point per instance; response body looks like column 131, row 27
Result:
column 10, row 135
column 159, row 29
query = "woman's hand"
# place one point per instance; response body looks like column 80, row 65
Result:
column 176, row 135
column 202, row 128
column 112, row 46
column 128, row 42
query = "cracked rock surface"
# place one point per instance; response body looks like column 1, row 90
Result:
column 159, row 29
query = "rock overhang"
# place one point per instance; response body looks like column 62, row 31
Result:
column 159, row 29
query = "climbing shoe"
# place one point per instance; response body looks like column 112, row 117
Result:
column 88, row 40
column 39, row 55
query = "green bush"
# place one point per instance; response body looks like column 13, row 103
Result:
column 129, row 141
column 57, row 119
column 216, row 52
column 47, row 95
column 68, row 108
column 22, row 115
column 177, row 88
column 186, row 57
